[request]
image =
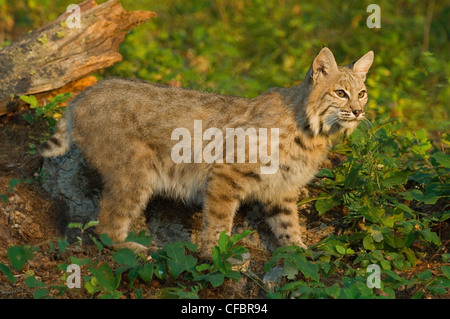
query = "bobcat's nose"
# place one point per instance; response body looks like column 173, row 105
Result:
column 357, row 112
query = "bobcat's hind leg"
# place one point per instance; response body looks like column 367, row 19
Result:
column 282, row 217
column 120, row 206
column 125, row 195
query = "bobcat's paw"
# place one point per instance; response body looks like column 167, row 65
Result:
column 137, row 248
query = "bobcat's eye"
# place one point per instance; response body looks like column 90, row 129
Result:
column 341, row 93
column 361, row 94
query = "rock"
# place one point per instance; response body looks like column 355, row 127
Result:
column 75, row 186
column 273, row 277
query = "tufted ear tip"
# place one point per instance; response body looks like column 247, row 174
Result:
column 323, row 64
column 364, row 63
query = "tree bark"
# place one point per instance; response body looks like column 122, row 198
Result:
column 59, row 53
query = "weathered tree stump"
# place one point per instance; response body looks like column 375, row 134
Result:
column 62, row 52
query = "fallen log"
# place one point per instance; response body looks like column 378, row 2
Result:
column 79, row 42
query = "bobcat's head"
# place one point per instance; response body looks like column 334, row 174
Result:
column 337, row 94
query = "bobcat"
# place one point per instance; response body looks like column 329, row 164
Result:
column 125, row 130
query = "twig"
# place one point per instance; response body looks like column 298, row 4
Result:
column 437, row 252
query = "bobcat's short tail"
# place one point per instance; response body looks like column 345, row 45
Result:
column 60, row 142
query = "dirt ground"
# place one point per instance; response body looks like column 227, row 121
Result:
column 31, row 217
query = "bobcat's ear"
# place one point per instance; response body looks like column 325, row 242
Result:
column 363, row 65
column 323, row 65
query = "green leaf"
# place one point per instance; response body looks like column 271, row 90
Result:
column 238, row 237
column 140, row 238
column 324, row 205
column 424, row 275
column 373, row 214
column 30, row 118
column 290, row 269
column 333, row 291
column 177, row 260
column 386, row 264
column 75, row 225
column 97, row 243
column 393, row 275
column 446, row 271
column 60, row 98
column 235, row 275
column 63, row 266
column 280, row 253
column 417, row 295
column 160, row 270
column 377, row 236
column 216, row 255
column 444, row 216
column 40, row 294
column 430, row 236
column 377, row 255
column 106, row 240
column 404, row 208
column 215, row 279
column 442, row 158
column 79, row 261
column 203, row 267
column 17, row 256
column 146, row 272
column 368, row 243
column 7, row 272
column 394, row 241
column 111, row 295
column 309, row 269
column 132, row 274
column 90, row 224
column 92, row 285
column 413, row 194
column 62, row 244
column 411, row 256
column 387, row 221
column 349, row 251
column 291, row 286
column 4, row 198
column 412, row 236
column 32, row 282
column 352, row 176
column 340, row 249
column 325, row 172
column 126, row 257
column 179, row 293
column 436, row 290
column 312, row 199
column 30, row 99
column 105, row 277
column 13, row 182
column 222, row 243
column 430, row 199
column 192, row 247
column 397, row 178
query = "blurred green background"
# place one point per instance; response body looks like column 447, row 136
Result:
column 243, row 47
